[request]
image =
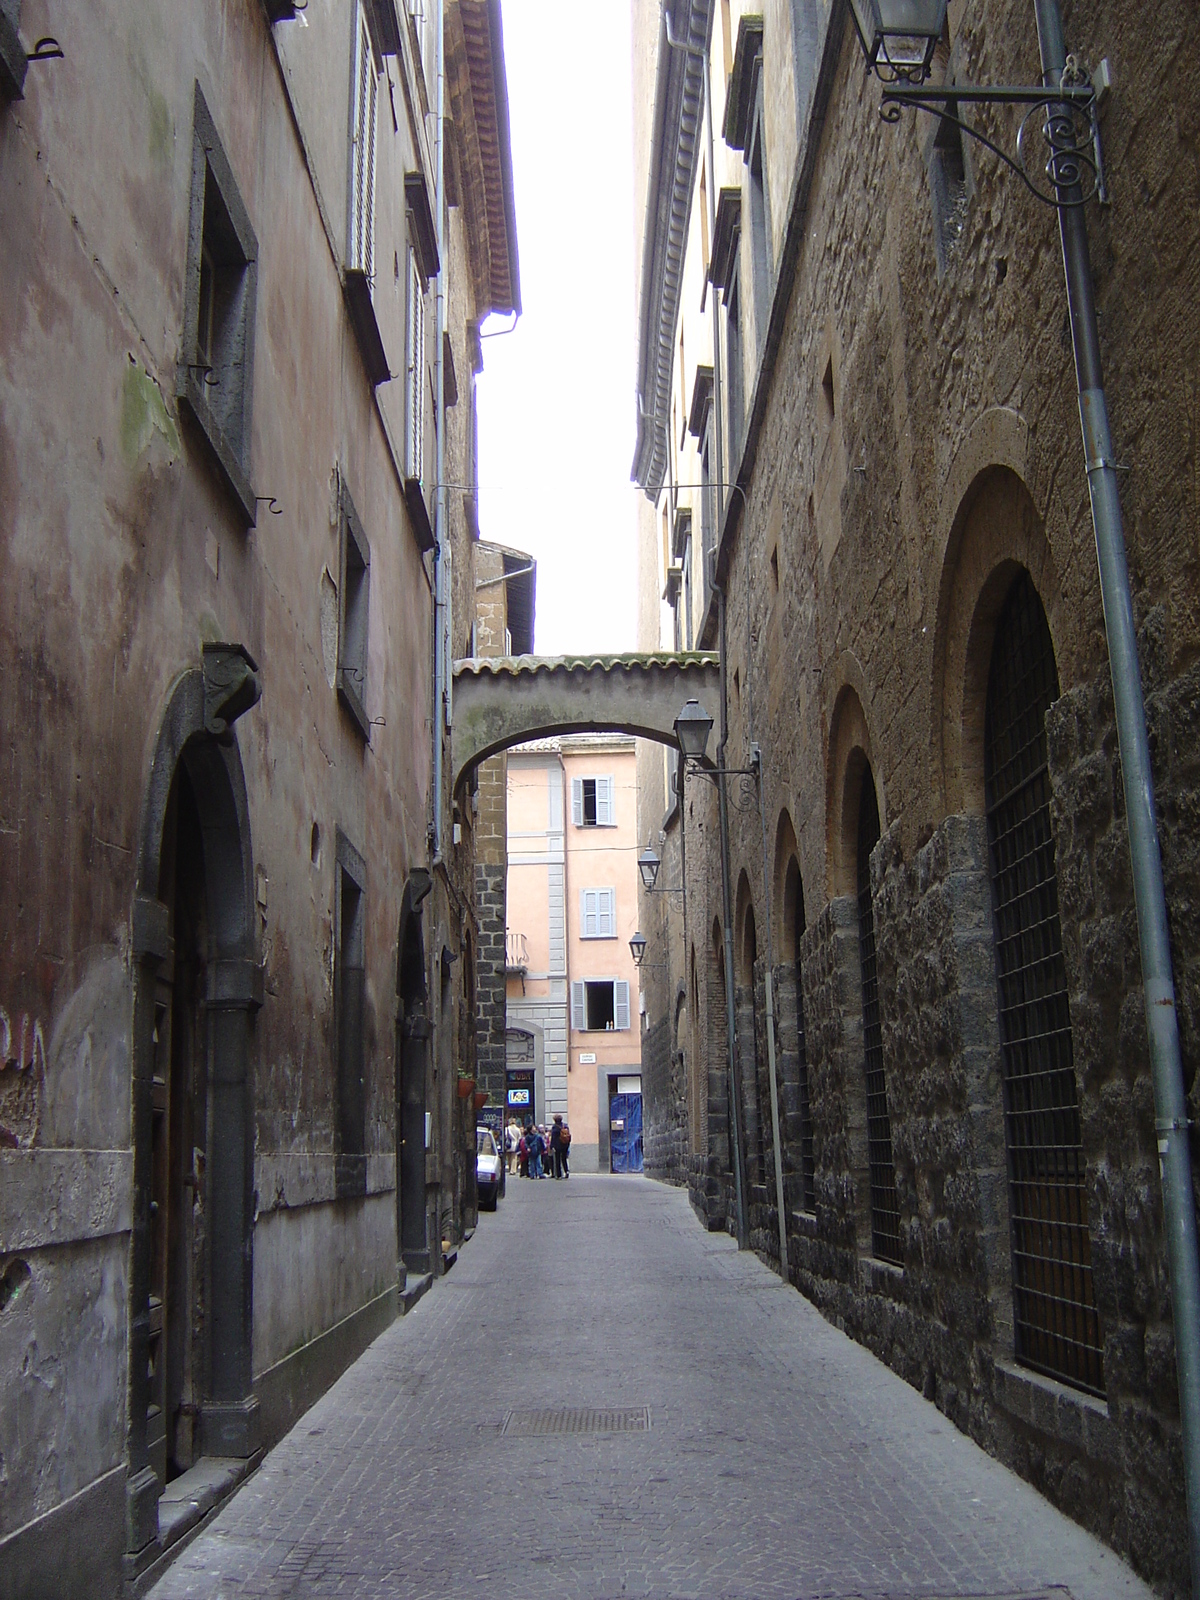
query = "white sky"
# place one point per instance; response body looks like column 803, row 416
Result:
column 556, row 397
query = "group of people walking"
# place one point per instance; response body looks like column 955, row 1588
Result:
column 531, row 1148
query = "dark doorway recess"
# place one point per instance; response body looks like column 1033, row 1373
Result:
column 196, row 989
column 885, row 1208
column 1054, row 1311
column 179, row 1098
column 412, row 1065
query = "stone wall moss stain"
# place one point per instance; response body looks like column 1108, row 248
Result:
column 143, row 414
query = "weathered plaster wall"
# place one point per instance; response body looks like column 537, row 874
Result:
column 121, row 552
column 314, row 1265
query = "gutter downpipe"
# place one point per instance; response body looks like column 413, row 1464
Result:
column 736, row 1145
column 769, row 969
column 1170, row 1100
column 441, row 602
column 736, row 1142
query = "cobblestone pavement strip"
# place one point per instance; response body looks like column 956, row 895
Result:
column 782, row 1460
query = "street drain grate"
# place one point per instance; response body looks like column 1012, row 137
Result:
column 577, row 1419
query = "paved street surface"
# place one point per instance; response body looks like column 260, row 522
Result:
column 781, row 1459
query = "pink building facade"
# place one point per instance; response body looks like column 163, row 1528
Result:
column 573, row 1039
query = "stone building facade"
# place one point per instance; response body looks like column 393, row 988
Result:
column 505, row 590
column 238, row 956
column 859, row 442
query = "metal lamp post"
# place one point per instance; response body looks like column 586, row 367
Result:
column 1073, row 171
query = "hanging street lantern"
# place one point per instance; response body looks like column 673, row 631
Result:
column 692, row 728
column 637, row 948
column 899, row 36
column 648, row 865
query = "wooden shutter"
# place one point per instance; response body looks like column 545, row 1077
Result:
column 415, row 361
column 620, row 1004
column 362, row 133
column 577, row 802
column 606, row 913
column 368, row 258
column 604, row 803
column 589, row 913
column 578, row 1006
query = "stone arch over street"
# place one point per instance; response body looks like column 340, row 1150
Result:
column 507, row 700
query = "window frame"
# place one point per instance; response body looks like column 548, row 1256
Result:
column 735, row 354
column 193, row 380
column 579, row 1004
column 414, row 366
column 360, row 195
column 760, row 208
column 354, row 556
column 603, row 913
column 578, row 799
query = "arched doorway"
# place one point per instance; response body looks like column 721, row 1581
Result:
column 197, row 987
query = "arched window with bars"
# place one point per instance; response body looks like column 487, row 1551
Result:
column 1056, row 1323
column 885, row 1208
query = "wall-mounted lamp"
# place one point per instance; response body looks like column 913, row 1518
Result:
column 637, row 949
column 899, row 36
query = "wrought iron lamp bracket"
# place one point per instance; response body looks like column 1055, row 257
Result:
column 1074, row 166
column 748, row 788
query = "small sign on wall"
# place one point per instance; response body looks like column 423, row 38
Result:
column 587, row 1058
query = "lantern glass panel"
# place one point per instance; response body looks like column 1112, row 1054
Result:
column 692, row 728
column 900, row 34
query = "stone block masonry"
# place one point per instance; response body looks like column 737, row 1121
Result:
column 489, row 980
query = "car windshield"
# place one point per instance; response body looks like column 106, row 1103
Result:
column 484, row 1143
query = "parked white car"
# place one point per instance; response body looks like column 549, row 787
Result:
column 489, row 1169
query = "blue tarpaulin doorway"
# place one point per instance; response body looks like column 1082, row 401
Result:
column 625, row 1132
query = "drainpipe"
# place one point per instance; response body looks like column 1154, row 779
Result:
column 736, row 1146
column 1170, row 1099
column 784, row 1267
column 441, row 629
column 734, row 1070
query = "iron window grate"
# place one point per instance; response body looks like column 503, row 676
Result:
column 577, row 1419
column 1057, row 1325
column 808, row 1167
column 885, row 1208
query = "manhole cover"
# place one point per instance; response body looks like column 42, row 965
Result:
column 577, row 1419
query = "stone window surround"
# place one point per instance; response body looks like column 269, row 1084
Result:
column 354, row 570
column 211, row 164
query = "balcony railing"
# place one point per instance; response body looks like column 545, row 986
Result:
column 516, row 953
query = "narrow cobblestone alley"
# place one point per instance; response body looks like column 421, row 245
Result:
column 781, row 1459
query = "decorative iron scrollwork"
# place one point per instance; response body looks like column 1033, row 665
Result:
column 1066, row 116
